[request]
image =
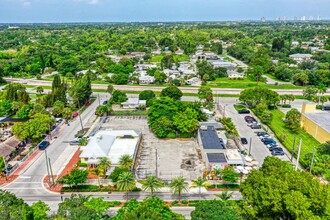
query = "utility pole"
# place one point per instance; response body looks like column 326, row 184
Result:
column 310, row 170
column 47, row 166
column 298, row 154
column 293, row 148
column 156, row 163
column 250, row 146
column 51, row 170
column 82, row 127
column 98, row 96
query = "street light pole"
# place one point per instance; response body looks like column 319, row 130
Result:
column 293, row 148
column 250, row 146
column 47, row 166
column 298, row 154
column 312, row 160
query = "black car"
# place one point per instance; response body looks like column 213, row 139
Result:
column 244, row 111
column 105, row 102
column 43, row 145
column 277, row 152
column 262, row 133
column 244, row 140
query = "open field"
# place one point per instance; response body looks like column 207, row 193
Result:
column 246, row 83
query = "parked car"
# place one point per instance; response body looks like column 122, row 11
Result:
column 326, row 108
column 43, row 145
column 251, row 123
column 272, row 145
column 74, row 142
column 275, row 148
column 88, row 103
column 277, row 152
column 261, row 133
column 75, row 114
column 244, row 111
column 244, row 140
column 105, row 102
column 270, row 142
column 256, row 126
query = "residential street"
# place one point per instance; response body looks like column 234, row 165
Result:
column 29, row 183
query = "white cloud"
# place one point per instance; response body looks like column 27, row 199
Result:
column 26, row 3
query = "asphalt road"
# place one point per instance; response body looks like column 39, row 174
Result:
column 155, row 88
column 29, row 183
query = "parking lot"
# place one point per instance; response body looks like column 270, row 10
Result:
column 172, row 157
column 258, row 150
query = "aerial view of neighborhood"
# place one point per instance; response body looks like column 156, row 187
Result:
column 162, row 119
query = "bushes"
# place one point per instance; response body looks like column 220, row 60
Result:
column 286, row 106
column 171, row 135
column 224, row 186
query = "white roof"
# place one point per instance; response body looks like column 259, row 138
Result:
column 234, row 157
column 230, row 73
column 111, row 144
column 300, row 55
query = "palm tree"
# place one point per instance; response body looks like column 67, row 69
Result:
column 179, row 185
column 224, row 196
column 126, row 182
column 97, row 172
column 104, row 164
column 200, row 182
column 152, row 184
column 126, row 161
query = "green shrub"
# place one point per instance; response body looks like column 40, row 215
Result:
column 185, row 202
column 171, row 135
column 224, row 186
column 81, row 164
column 184, row 135
column 194, row 204
column 174, row 203
column 286, row 106
column 320, row 107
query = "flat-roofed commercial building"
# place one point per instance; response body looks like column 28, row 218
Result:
column 214, row 150
column 315, row 123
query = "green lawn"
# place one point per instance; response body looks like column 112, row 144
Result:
column 245, row 83
column 286, row 136
column 274, row 78
column 239, row 107
column 179, row 58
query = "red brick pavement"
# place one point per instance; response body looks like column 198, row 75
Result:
column 72, row 163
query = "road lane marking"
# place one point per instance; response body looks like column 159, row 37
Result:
column 25, row 177
column 24, row 188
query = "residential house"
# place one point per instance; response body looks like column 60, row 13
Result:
column 133, row 103
column 192, row 81
column 111, row 144
column 234, row 75
column 146, row 79
column 301, row 57
column 224, row 64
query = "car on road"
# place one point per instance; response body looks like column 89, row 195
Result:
column 277, row 153
column 256, row 126
column 244, row 140
column 43, row 145
column 244, row 111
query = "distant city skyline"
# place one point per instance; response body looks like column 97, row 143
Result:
column 34, row 11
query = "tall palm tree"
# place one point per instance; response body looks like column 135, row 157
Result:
column 200, row 182
column 126, row 161
column 104, row 164
column 152, row 184
column 179, row 185
column 126, row 182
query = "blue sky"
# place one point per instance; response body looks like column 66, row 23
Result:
column 156, row 10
